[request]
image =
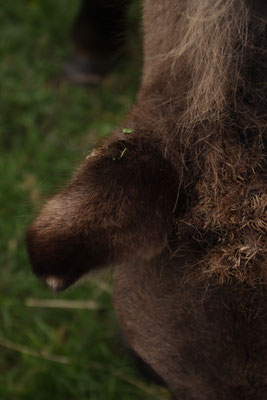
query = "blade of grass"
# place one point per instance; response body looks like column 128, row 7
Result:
column 30, row 352
column 66, row 304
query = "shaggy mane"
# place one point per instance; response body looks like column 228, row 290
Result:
column 215, row 123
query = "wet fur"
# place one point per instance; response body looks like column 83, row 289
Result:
column 178, row 206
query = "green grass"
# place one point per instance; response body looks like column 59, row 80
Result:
column 47, row 127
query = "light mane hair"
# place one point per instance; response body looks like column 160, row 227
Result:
column 215, row 37
column 219, row 62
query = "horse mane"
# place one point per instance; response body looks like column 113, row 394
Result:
column 215, row 124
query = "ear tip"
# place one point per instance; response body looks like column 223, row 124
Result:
column 59, row 258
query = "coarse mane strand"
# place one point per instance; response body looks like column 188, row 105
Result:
column 221, row 59
column 214, row 37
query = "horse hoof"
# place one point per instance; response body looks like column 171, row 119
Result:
column 85, row 70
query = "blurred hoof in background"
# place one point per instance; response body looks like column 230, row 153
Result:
column 85, row 70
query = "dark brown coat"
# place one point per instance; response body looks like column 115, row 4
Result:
column 178, row 206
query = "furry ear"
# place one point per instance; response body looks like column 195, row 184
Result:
column 61, row 243
column 119, row 205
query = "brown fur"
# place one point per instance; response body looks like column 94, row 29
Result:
column 179, row 205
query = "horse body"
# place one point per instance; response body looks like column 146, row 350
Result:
column 178, row 204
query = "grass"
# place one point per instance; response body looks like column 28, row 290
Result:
column 54, row 346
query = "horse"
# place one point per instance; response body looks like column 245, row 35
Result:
column 176, row 203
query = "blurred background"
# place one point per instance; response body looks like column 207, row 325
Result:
column 65, row 346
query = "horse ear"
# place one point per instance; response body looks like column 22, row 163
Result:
column 115, row 208
column 59, row 242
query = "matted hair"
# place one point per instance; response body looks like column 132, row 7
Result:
column 219, row 63
column 213, row 40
